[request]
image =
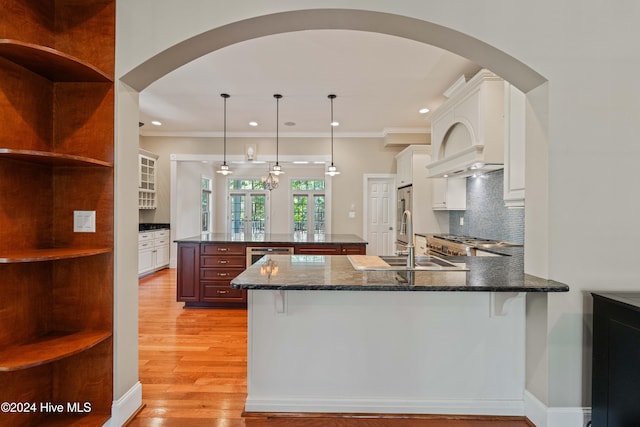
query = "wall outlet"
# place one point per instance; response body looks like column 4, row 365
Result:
column 461, row 220
column 84, row 221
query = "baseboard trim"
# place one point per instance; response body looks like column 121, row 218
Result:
column 123, row 409
column 387, row 406
column 543, row 416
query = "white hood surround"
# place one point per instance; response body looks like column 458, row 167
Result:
column 468, row 129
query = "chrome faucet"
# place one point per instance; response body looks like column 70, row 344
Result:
column 406, row 227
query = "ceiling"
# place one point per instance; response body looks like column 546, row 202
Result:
column 381, row 82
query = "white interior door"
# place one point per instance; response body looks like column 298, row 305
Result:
column 380, row 215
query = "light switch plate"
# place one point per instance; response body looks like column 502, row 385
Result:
column 84, row 221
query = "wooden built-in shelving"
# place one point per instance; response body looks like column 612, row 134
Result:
column 50, row 63
column 49, row 254
column 53, row 159
column 53, row 346
column 57, row 62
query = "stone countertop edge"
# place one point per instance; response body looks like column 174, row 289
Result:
column 273, row 239
column 486, row 274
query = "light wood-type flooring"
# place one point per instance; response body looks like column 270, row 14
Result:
column 193, row 370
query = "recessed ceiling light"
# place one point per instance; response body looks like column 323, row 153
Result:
column 423, row 110
column 289, row 123
column 334, row 123
column 156, row 123
column 253, row 123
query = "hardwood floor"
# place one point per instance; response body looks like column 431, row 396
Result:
column 193, row 370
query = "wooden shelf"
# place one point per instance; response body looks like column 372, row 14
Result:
column 49, row 254
column 48, row 349
column 50, row 63
column 76, row 421
column 53, row 159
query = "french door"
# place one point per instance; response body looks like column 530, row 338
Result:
column 248, row 215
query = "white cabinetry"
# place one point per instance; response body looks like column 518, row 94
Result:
column 449, row 194
column 514, row 147
column 405, row 163
column 411, row 170
column 467, row 130
column 146, row 180
column 153, row 250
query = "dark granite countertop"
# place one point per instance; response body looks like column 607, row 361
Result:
column 316, row 272
column 630, row 299
column 273, row 238
column 146, row 226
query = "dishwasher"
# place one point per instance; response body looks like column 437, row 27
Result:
column 254, row 253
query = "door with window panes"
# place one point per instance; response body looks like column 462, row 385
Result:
column 309, row 208
column 248, row 207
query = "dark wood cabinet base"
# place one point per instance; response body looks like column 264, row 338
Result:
column 205, row 270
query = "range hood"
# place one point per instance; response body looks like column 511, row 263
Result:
column 462, row 164
column 467, row 132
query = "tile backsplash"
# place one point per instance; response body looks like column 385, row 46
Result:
column 486, row 215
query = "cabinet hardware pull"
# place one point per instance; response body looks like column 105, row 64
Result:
column 223, row 249
column 223, row 261
column 223, row 274
column 223, row 292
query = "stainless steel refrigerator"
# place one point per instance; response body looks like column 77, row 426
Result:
column 404, row 203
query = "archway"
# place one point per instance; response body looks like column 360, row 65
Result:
column 508, row 67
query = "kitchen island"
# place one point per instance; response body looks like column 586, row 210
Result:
column 207, row 262
column 325, row 337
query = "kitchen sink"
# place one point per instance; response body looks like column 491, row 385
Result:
column 399, row 263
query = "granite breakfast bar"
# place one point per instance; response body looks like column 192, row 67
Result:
column 325, row 337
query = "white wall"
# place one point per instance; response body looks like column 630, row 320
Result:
column 346, row 188
column 586, row 185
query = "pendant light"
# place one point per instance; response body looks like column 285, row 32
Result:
column 332, row 170
column 277, row 170
column 224, row 169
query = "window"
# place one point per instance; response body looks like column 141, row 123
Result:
column 248, row 207
column 206, row 204
column 309, row 208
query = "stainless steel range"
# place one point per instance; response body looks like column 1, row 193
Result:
column 454, row 245
column 448, row 245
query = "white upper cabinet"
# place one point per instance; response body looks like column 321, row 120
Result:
column 410, row 164
column 514, row 146
column 449, row 194
column 147, row 180
column 467, row 133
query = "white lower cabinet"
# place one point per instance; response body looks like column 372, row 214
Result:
column 153, row 250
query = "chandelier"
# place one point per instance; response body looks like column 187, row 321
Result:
column 270, row 182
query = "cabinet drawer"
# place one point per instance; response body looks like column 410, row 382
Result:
column 223, row 249
column 161, row 234
column 161, row 241
column 145, row 244
column 145, row 235
column 223, row 261
column 214, row 292
column 219, row 273
column 318, row 249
